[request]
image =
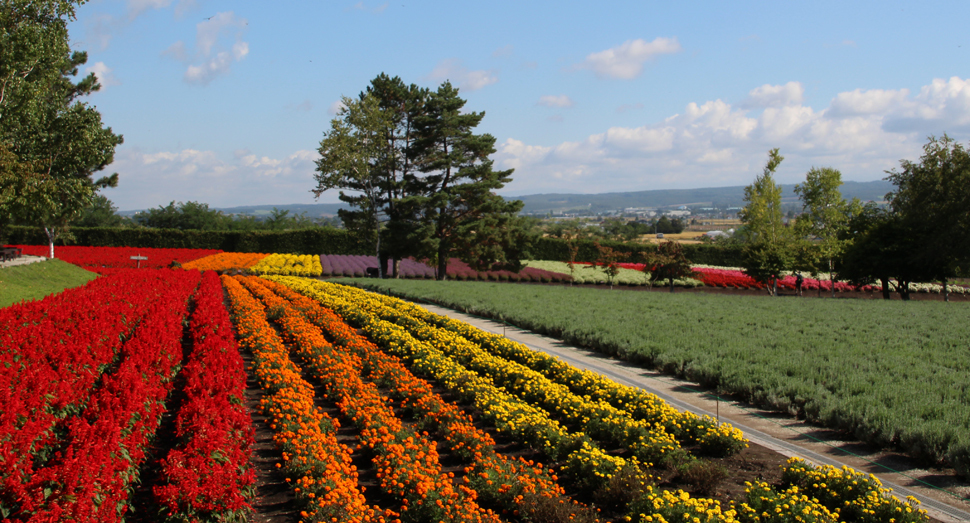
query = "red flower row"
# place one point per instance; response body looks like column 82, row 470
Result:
column 208, row 475
column 118, row 257
column 88, row 478
column 52, row 353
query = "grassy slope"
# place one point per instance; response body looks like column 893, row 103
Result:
column 891, row 372
column 37, row 280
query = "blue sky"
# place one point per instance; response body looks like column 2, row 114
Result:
column 226, row 102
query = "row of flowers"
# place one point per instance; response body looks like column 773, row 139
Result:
column 52, row 354
column 406, row 462
column 288, row 265
column 629, row 273
column 803, row 498
column 686, row 427
column 226, row 261
column 95, row 258
column 584, row 459
column 207, row 477
column 498, row 481
column 89, row 476
column 315, row 463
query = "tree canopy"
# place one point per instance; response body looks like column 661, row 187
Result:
column 55, row 140
column 768, row 252
column 416, row 174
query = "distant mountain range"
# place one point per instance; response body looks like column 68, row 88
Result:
column 720, row 197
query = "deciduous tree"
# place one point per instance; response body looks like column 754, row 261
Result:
column 768, row 252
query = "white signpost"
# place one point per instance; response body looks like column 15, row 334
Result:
column 139, row 258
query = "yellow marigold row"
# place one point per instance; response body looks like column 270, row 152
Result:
column 289, row 265
column 320, row 468
column 852, row 495
column 225, row 261
column 687, row 427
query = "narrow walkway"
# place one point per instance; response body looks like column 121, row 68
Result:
column 22, row 260
column 779, row 432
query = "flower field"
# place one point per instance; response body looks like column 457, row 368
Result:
column 225, row 261
column 288, row 265
column 84, row 387
column 98, row 258
column 356, row 266
column 574, row 422
column 380, row 412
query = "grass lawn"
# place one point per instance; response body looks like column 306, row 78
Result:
column 37, row 280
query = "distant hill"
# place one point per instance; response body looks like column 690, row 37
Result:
column 721, row 197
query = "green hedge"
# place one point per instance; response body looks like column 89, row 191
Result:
column 556, row 249
column 323, row 240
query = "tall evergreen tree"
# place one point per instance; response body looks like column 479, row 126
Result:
column 462, row 216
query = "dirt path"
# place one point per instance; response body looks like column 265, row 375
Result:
column 942, row 493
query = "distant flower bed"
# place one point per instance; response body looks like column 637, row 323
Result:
column 288, row 265
column 356, row 267
column 226, row 261
column 96, row 258
column 735, row 278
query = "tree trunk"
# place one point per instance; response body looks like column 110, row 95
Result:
column 832, row 277
column 946, row 296
column 774, row 287
column 903, row 289
column 382, row 261
column 671, row 285
column 397, row 268
column 51, row 235
column 885, row 288
column 442, row 261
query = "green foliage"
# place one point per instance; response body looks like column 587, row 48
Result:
column 669, row 263
column 812, row 357
column 36, row 280
column 319, row 240
column 769, row 252
column 101, row 213
column 43, row 123
column 197, row 216
column 932, row 199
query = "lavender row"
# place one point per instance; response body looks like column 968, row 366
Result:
column 356, row 266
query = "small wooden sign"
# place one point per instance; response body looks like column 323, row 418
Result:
column 139, row 258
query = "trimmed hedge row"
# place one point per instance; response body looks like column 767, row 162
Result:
column 303, row 241
column 328, row 240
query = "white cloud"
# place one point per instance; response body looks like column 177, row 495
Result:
column 626, row 61
column 151, row 179
column 103, row 73
column 453, row 71
column 555, row 101
column 210, row 58
column 335, row 108
column 861, row 133
column 768, row 95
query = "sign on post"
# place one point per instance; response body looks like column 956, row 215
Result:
column 139, row 258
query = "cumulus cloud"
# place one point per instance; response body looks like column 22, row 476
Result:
column 550, row 100
column 453, row 71
column 626, row 61
column 861, row 132
column 151, row 179
column 768, row 95
column 103, row 73
column 211, row 57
